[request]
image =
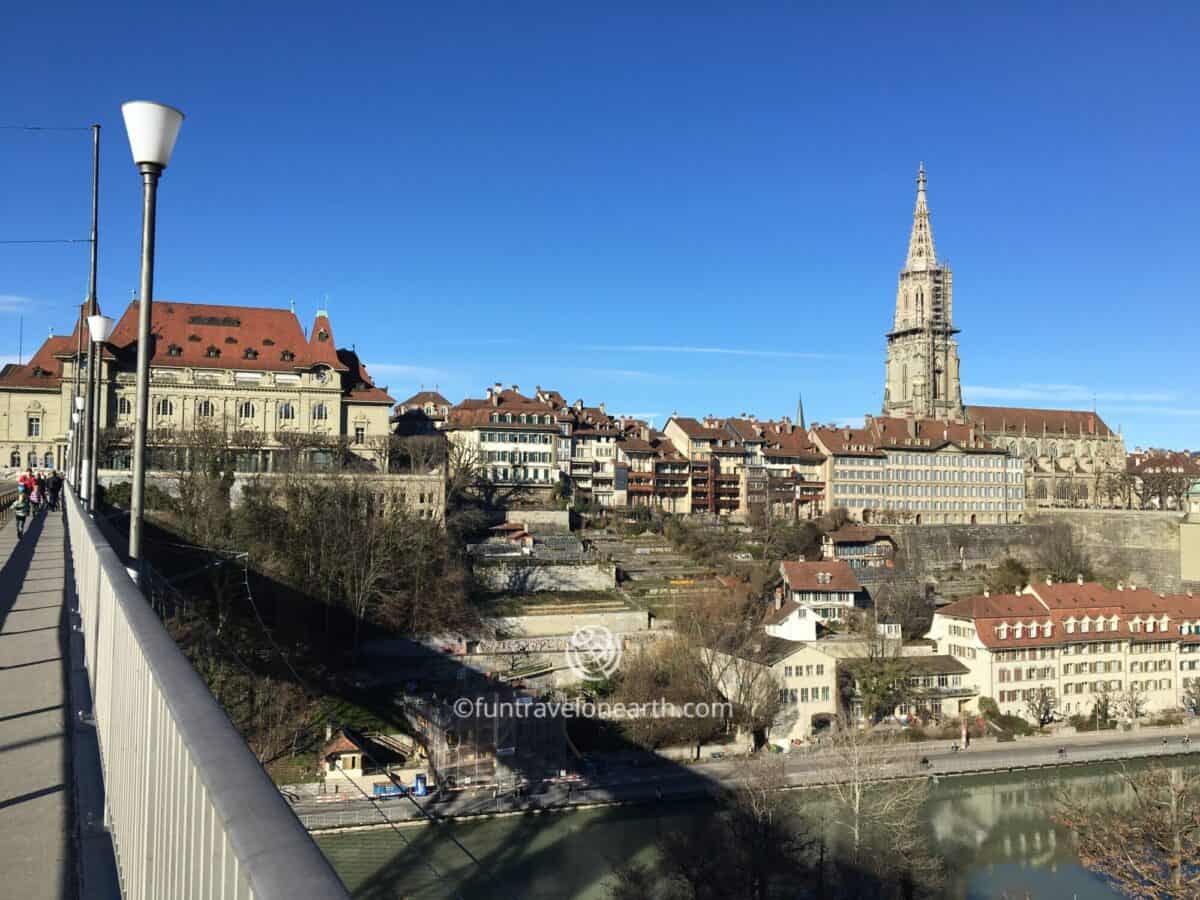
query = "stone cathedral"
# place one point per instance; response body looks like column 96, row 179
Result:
column 1069, row 454
column 922, row 354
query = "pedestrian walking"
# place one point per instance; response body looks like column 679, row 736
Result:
column 27, row 480
column 20, row 509
column 56, row 484
column 35, row 496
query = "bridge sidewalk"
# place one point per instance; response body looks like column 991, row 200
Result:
column 36, row 822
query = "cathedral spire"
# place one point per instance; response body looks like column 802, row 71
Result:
column 921, row 254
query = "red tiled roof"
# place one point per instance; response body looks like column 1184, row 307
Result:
column 858, row 534
column 422, row 397
column 848, row 441
column 894, row 431
column 321, row 347
column 477, row 412
column 803, row 576
column 1057, row 603
column 44, row 369
column 184, row 332
column 697, row 432
column 361, row 388
column 1015, row 420
column 1156, row 461
column 340, row 744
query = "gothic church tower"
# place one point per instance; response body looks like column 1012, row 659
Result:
column 922, row 354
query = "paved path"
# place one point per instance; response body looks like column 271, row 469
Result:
column 624, row 783
column 36, row 852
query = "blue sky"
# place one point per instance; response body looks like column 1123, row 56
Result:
column 666, row 207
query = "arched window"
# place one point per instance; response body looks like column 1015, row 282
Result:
column 15, row 459
column 1053, row 450
column 204, row 409
column 164, row 407
column 33, row 459
column 287, row 412
column 245, row 410
column 320, row 413
column 1039, row 490
column 124, row 407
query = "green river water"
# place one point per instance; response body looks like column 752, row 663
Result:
column 994, row 832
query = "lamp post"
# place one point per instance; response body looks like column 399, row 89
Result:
column 93, row 369
column 99, row 329
column 152, row 129
column 79, row 448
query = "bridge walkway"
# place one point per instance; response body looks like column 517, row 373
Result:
column 37, row 856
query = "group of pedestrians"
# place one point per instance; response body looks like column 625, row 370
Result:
column 35, row 494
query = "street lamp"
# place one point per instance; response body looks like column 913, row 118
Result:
column 152, row 129
column 79, row 448
column 99, row 329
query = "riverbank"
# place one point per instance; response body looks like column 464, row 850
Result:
column 631, row 785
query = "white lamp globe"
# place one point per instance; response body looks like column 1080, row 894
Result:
column 152, row 129
column 100, row 327
column 79, row 403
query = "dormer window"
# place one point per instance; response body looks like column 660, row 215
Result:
column 1070, row 626
column 287, row 356
column 212, row 352
column 1033, row 630
column 1100, row 624
column 194, row 338
column 231, row 340
column 1162, row 624
column 1048, row 628
column 1085, row 626
column 251, row 353
column 1002, row 632
column 1135, row 625
column 1018, row 631
column 1113, row 623
column 1149, row 625
column 267, row 342
column 322, row 335
column 495, row 417
column 174, row 350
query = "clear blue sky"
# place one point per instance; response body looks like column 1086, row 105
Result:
column 588, row 196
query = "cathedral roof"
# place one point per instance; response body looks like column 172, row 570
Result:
column 1016, row 421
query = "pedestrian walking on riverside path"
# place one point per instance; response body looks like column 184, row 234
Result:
column 20, row 509
column 35, row 495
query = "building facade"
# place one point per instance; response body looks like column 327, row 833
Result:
column 246, row 377
column 1079, row 640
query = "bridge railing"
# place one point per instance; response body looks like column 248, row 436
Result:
column 191, row 811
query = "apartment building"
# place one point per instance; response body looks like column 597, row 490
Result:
column 248, row 374
column 1077, row 639
column 919, row 471
column 657, row 475
column 512, row 439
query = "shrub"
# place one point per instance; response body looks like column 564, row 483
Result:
column 988, row 708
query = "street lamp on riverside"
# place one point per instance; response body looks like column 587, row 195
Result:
column 76, row 416
column 152, row 129
column 99, row 329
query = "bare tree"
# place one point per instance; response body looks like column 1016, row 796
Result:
column 877, row 829
column 1042, row 706
column 1062, row 557
column 1191, row 695
column 1131, row 702
column 1145, row 840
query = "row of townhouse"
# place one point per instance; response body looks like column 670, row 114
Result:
column 893, row 470
column 1076, row 639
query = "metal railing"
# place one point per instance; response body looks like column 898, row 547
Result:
column 191, row 812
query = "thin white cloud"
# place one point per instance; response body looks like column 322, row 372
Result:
column 719, row 351
column 628, row 374
column 403, row 370
column 1062, row 393
column 11, row 303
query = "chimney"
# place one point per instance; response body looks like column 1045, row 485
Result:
column 490, row 391
column 779, row 597
column 1079, row 578
column 912, row 427
column 516, row 388
column 495, row 395
column 600, row 407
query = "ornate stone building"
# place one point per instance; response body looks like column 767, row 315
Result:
column 922, row 354
column 248, row 373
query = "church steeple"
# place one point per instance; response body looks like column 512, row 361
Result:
column 921, row 254
column 922, row 360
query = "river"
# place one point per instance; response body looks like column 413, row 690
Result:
column 994, row 832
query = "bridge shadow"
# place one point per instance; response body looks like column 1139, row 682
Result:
column 522, row 855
